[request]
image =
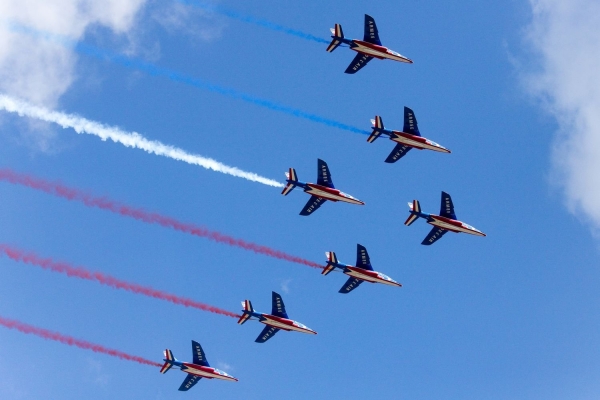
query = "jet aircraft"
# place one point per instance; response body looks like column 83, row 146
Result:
column 368, row 48
column 363, row 271
column 196, row 370
column 320, row 192
column 410, row 137
column 277, row 320
column 442, row 223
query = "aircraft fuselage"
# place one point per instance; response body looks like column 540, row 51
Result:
column 453, row 225
column 285, row 324
column 330, row 194
column 377, row 51
column 417, row 142
column 369, row 276
column 204, row 372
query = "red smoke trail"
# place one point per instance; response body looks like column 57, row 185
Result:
column 65, row 192
column 79, row 272
column 82, row 344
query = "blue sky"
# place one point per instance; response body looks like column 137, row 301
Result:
column 509, row 316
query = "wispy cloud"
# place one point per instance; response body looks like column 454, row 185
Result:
column 285, row 285
column 565, row 42
column 41, row 70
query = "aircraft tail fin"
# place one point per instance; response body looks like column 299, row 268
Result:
column 415, row 210
column 168, row 361
column 292, row 178
column 338, row 37
column 331, row 261
column 377, row 128
column 247, row 311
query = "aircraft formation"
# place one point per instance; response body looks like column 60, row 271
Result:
column 322, row 191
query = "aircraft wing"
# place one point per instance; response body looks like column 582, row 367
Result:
column 350, row 285
column 189, row 382
column 362, row 258
column 278, row 309
column 266, row 334
column 313, row 204
column 323, row 174
column 410, row 122
column 357, row 63
column 434, row 235
column 198, row 354
column 447, row 208
column 371, row 32
column 399, row 151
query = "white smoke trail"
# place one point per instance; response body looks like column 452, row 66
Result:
column 129, row 139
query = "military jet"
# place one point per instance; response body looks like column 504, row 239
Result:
column 368, row 48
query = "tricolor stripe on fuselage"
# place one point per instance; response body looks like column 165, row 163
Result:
column 283, row 323
column 417, row 142
column 368, row 276
column 452, row 225
column 329, row 194
column 376, row 51
column 205, row 372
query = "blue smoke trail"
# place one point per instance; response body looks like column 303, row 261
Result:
column 175, row 76
column 253, row 20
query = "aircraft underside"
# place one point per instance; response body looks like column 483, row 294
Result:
column 416, row 144
column 454, row 228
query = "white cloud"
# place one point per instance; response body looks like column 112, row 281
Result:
column 565, row 39
column 40, row 70
column 285, row 285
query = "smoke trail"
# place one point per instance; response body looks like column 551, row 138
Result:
column 82, row 273
column 82, row 344
column 128, row 139
column 253, row 20
column 175, row 76
column 103, row 203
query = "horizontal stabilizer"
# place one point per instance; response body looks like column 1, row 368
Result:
column 327, row 269
column 411, row 218
column 291, row 179
column 168, row 361
column 374, row 135
column 166, row 366
column 338, row 35
column 415, row 209
column 333, row 45
column 247, row 311
column 331, row 261
column 243, row 319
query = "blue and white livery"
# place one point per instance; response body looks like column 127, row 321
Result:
column 320, row 192
column 362, row 272
column 368, row 48
column 276, row 321
column 442, row 223
column 196, row 370
column 407, row 139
